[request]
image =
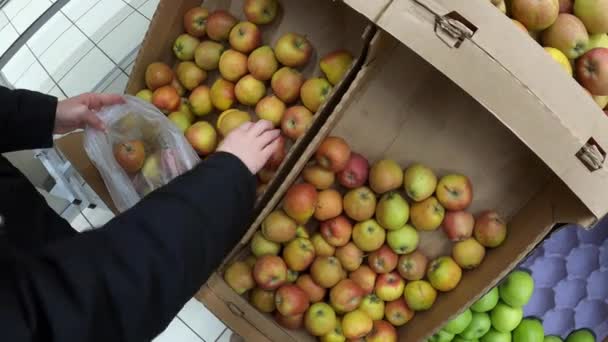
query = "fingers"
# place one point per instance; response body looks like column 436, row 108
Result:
column 268, row 137
column 260, row 127
column 269, row 149
column 96, row 101
column 245, row 127
column 94, row 121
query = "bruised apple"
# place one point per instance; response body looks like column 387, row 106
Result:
column 315, row 292
column 238, row 277
column 329, row 206
column 350, row 256
column 333, row 154
column 385, row 175
column 278, row 227
column 195, row 21
column 355, row 172
column 360, row 204
column 454, row 192
column 158, row 75
column 389, row 286
column 468, row 253
column 130, row 155
column 444, row 273
column 345, row 296
column 322, row 248
column 368, row 235
column 326, row 271
column 300, row 202
column 458, row 225
column 270, row 272
column 490, row 229
column 298, row 254
column 383, row 260
column 296, row 121
column 412, row 266
column 262, row 300
column 219, row 25
column 292, row 322
column 397, row 312
column 320, row 177
column 291, row 300
column 336, row 231
column 365, row 277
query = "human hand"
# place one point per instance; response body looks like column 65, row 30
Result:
column 252, row 143
column 80, row 111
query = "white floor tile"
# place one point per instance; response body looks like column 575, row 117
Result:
column 80, row 223
column 201, row 320
column 48, row 33
column 66, row 51
column 8, row 35
column 29, row 14
column 75, row 9
column 125, row 38
column 225, row 336
column 118, row 85
column 35, row 78
column 108, row 79
column 98, row 216
column 55, row 91
column 130, row 58
column 3, row 20
column 135, row 3
column 149, row 8
column 87, row 74
column 103, row 17
column 177, row 331
column 18, row 64
column 13, row 7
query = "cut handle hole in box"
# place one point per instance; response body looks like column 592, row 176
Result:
column 592, row 155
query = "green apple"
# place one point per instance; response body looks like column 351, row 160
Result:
column 458, row 324
column 505, row 318
column 581, row 335
column 403, row 240
column 487, row 302
column 419, row 182
column 496, row 336
column 261, row 246
column 517, row 289
column 441, row 336
column 593, row 13
column 599, row 40
column 392, row 211
column 529, row 330
column 553, row 338
column 480, row 325
column 145, row 94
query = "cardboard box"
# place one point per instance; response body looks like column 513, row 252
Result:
column 442, row 82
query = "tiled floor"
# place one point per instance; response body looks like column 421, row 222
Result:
column 89, row 45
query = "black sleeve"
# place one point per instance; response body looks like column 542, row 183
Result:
column 126, row 282
column 27, row 120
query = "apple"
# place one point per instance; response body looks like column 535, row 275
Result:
column 350, row 256
column 602, row 101
column 412, row 266
column 158, row 75
column 599, row 40
column 365, row 277
column 326, row 271
column 298, row 254
column 184, row 47
column 195, row 21
column 270, row 272
column 278, row 155
column 231, row 119
column 442, row 335
column 494, row 335
column 345, row 296
column 200, row 100
column 207, row 55
column 293, row 50
column 580, row 335
column 419, row 295
column 382, row 331
column 249, row 91
column 291, row 300
column 190, row 75
column 322, row 248
column 566, row 6
column 262, row 300
column 536, row 15
column 333, row 154
column 392, row 211
column 368, row 235
column 454, row 192
column 292, row 276
column 320, row 177
column 222, row 94
column 373, row 306
column 517, row 289
column 531, row 329
column 335, row 335
column 444, row 273
column 261, row 11
column 389, row 286
column 360, row 204
column 301, row 232
column 403, row 240
column 329, row 206
column 184, row 107
column 315, row 92
column 382, row 260
column 457, row 324
column 238, row 276
column 262, row 63
column 166, row 99
column 233, row 65
column 262, row 246
column 151, row 171
column 219, row 25
column 480, row 325
column 355, row 172
column 292, row 322
column 506, row 318
column 356, row 324
column 315, row 292
column 179, row 87
column 335, row 65
column 385, row 175
column 320, row 319
column 130, row 155
column 300, row 201
column 270, row 108
column 245, row 37
column 567, row 34
column 468, row 253
column 250, row 260
column 592, row 71
column 427, row 215
column 286, row 84
column 397, row 312
column 458, row 225
column 594, row 14
column 419, row 182
column 180, row 120
column 266, row 174
column 490, row 229
column 336, row 231
column 487, row 302
column 145, row 94
column 278, row 227
column 296, row 121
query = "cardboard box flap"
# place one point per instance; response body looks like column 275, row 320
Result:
column 477, row 47
column 371, row 9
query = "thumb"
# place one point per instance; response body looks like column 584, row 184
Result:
column 91, row 119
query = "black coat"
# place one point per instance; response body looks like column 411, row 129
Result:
column 126, row 281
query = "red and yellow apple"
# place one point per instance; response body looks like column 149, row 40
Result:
column 320, row 177
column 207, row 55
column 270, row 108
column 296, row 121
column 314, row 93
column 286, row 84
column 233, row 65
column 300, row 201
column 454, row 192
column 298, row 254
column 315, row 292
column 350, row 256
column 245, row 37
column 444, row 274
column 360, row 204
column 385, row 175
column 355, row 172
column 335, row 64
column 222, row 94
column 389, row 286
column 270, row 272
column 293, row 50
column 365, row 277
column 326, row 271
column 291, row 300
column 238, row 277
column 219, row 25
column 368, row 235
column 345, row 296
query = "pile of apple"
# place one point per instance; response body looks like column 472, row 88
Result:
column 230, row 55
column 498, row 316
column 573, row 32
column 342, row 259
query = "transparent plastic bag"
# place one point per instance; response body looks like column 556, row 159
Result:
column 167, row 152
